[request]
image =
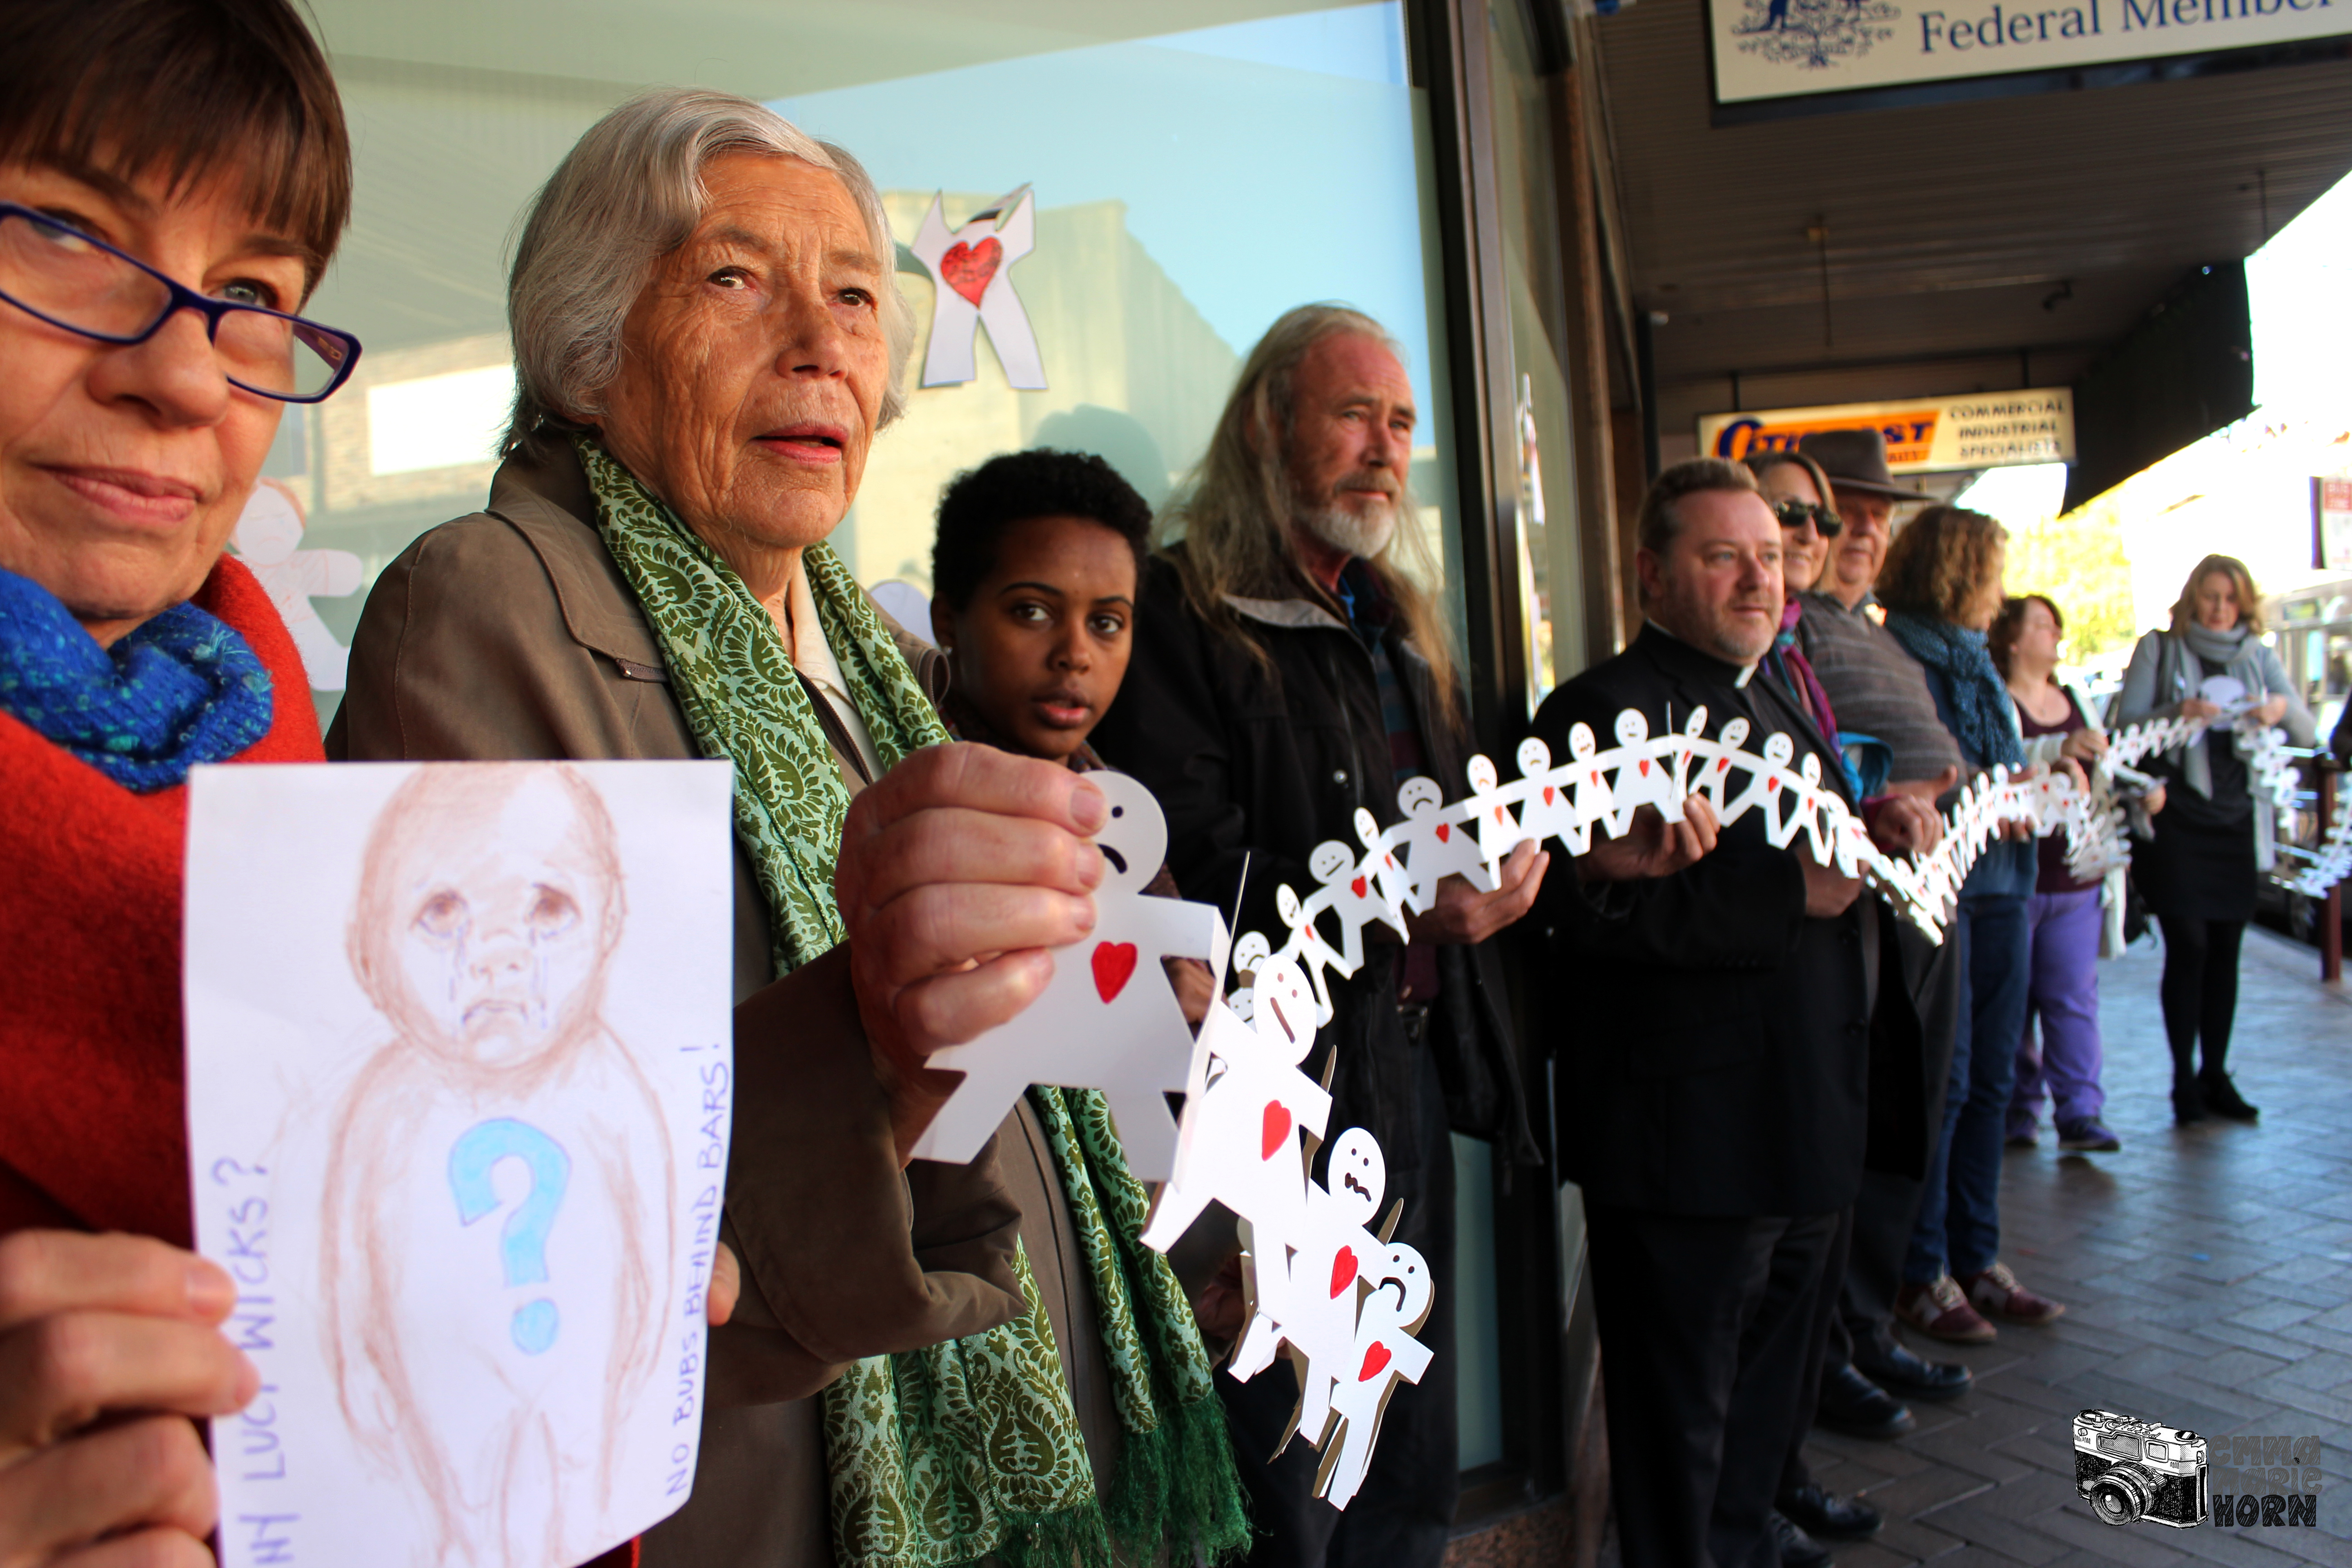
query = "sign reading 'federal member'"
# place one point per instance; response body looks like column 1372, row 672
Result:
column 1786, row 48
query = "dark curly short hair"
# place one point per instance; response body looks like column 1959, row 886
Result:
column 979, row 506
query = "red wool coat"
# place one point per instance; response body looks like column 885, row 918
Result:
column 95, row 1132
column 94, row 1129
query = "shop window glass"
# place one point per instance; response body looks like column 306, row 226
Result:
column 1188, row 187
column 1528, row 188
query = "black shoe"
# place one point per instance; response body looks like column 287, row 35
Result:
column 2222, row 1099
column 1910, row 1376
column 1820, row 1511
column 1796, row 1549
column 1851, row 1403
column 2187, row 1102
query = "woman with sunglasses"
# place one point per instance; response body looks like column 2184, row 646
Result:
column 174, row 176
column 1798, row 494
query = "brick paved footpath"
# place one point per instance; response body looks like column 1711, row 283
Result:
column 2208, row 1271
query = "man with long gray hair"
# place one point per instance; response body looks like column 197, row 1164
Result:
column 1291, row 665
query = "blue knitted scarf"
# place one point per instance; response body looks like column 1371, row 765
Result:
column 180, row 689
column 1983, row 721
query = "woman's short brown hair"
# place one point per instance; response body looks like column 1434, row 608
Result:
column 2250, row 599
column 113, row 91
column 1942, row 563
column 1763, row 463
column 2006, row 626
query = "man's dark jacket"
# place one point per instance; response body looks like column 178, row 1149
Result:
column 1264, row 762
column 1719, row 1061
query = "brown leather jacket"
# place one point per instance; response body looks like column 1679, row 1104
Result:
column 511, row 634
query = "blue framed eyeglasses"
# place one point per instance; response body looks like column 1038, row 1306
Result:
column 53, row 270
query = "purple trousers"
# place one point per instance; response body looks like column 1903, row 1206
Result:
column 2064, row 993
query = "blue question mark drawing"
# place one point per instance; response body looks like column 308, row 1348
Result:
column 523, row 1243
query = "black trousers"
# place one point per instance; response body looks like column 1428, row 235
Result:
column 2199, row 989
column 1710, row 1330
column 1404, row 1511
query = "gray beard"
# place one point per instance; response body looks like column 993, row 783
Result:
column 1360, row 536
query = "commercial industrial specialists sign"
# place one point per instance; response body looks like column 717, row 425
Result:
column 1784, row 49
column 1924, row 435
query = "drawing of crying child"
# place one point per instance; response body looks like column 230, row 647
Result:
column 496, row 1238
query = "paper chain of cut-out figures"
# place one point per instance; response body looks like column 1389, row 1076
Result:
column 1603, row 790
column 1339, row 1299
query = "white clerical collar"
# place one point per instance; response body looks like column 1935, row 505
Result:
column 1747, row 671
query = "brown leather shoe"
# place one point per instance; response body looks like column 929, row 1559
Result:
column 1996, row 1294
column 1939, row 1310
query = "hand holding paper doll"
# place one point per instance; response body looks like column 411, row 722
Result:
column 958, row 869
column 1652, row 846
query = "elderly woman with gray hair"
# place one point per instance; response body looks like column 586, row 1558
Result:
column 708, row 337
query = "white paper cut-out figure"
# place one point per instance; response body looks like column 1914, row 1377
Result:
column 1249, row 952
column 1108, row 1019
column 1312, row 1305
column 1387, row 872
column 269, row 539
column 971, row 271
column 1346, row 890
column 1550, row 809
column 487, row 914
column 1499, row 833
column 1642, row 778
column 1436, row 843
column 1393, row 1310
column 1246, row 1102
column 1716, row 760
column 1307, row 948
column 1784, row 790
column 1588, row 777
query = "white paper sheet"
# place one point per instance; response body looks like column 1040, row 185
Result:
column 460, row 1067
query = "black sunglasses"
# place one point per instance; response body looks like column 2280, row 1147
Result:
column 1793, row 512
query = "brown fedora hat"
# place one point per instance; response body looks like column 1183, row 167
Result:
column 1856, row 460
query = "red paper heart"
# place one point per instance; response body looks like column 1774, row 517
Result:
column 1501, row 816
column 1645, row 767
column 1343, row 1270
column 1444, row 832
column 1375, row 1358
column 1547, row 794
column 1277, row 1129
column 1596, row 780
column 1114, row 962
column 1357, row 887
column 967, row 269
column 1721, row 763
column 1771, row 787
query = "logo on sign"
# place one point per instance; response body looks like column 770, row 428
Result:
column 1815, row 34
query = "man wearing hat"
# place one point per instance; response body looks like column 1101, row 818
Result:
column 1877, row 688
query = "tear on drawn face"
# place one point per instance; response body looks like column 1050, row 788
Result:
column 488, row 912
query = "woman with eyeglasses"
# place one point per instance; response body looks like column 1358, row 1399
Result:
column 174, row 175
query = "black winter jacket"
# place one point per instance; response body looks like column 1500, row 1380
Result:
column 1258, row 764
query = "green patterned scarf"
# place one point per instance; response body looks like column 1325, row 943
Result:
column 943, row 1455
